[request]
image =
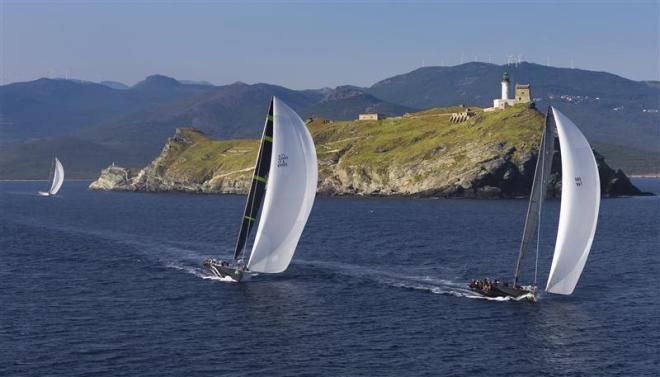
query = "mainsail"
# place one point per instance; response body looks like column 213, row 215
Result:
column 539, row 188
column 580, row 201
column 258, row 185
column 58, row 178
column 290, row 193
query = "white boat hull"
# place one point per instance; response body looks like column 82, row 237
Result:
column 44, row 193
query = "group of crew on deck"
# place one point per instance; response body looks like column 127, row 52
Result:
column 485, row 284
column 216, row 262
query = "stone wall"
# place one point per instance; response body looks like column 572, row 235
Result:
column 523, row 94
column 369, row 117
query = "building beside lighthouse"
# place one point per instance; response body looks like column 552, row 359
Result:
column 522, row 95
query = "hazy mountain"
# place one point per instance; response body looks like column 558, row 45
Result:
column 346, row 102
column 134, row 123
column 193, row 82
column 231, row 111
column 130, row 125
column 49, row 107
column 114, row 84
column 608, row 108
column 653, row 84
column 58, row 107
column 33, row 159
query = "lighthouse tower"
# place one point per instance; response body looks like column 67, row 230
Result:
column 504, row 101
column 523, row 95
column 505, row 86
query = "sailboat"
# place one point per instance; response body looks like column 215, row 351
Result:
column 285, row 178
column 56, row 178
column 580, row 202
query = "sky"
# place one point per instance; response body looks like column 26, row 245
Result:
column 318, row 44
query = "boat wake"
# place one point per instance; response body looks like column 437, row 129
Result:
column 196, row 271
column 444, row 287
column 421, row 282
column 169, row 254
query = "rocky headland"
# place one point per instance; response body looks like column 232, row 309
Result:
column 424, row 154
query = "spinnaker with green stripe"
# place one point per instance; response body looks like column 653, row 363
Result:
column 285, row 178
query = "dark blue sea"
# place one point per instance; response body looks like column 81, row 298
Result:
column 110, row 284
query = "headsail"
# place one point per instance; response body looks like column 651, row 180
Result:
column 539, row 188
column 258, row 185
column 58, row 178
column 290, row 193
column 580, row 201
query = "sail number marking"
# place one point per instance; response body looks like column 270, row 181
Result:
column 282, row 160
column 578, row 181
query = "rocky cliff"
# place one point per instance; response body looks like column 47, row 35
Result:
column 491, row 155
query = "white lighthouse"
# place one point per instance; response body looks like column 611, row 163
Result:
column 505, row 86
column 522, row 95
column 504, row 101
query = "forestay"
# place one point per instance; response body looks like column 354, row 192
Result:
column 580, row 201
column 537, row 196
column 290, row 192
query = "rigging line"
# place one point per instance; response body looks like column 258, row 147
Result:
column 538, row 241
column 543, row 155
column 51, row 175
column 538, row 226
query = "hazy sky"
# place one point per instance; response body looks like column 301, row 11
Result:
column 310, row 45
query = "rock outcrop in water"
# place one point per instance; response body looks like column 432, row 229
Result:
column 492, row 155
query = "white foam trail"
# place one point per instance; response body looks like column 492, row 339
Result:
column 171, row 254
column 200, row 273
column 225, row 279
column 420, row 282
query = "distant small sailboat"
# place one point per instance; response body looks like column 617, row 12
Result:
column 56, row 178
column 285, row 178
column 580, row 202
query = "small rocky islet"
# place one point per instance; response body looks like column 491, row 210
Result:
column 432, row 153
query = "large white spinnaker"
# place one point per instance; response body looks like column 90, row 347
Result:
column 580, row 201
column 58, row 178
column 290, row 192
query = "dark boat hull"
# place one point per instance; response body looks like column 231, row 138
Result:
column 225, row 271
column 499, row 290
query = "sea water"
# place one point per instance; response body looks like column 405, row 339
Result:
column 111, row 284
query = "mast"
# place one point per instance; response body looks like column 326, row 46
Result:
column 51, row 175
column 539, row 187
column 258, row 185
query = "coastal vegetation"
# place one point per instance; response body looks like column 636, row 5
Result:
column 492, row 154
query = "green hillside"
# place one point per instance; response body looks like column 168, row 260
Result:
column 491, row 154
column 199, row 157
column 426, row 135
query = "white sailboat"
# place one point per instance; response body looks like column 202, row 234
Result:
column 56, row 178
column 580, row 202
column 285, row 177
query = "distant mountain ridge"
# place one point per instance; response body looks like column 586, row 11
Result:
column 132, row 123
column 588, row 97
column 114, row 84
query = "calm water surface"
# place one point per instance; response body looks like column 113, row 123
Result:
column 110, row 284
